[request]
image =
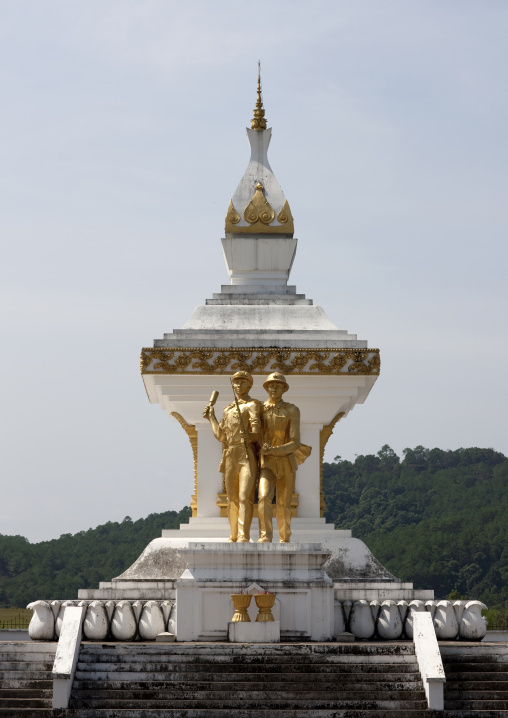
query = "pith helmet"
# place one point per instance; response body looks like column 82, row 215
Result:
column 244, row 375
column 276, row 376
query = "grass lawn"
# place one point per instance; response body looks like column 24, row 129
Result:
column 15, row 617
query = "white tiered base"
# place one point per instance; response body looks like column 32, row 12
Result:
column 355, row 572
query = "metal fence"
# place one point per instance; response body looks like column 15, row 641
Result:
column 18, row 622
column 497, row 626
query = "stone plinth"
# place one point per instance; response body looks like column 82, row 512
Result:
column 254, row 632
column 304, row 604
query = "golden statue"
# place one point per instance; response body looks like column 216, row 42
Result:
column 239, row 431
column 281, row 453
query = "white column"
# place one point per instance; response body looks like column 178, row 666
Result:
column 307, row 476
column 209, row 478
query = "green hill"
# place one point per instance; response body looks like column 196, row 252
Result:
column 436, row 518
column 58, row 568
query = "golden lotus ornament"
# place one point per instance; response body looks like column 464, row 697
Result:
column 265, row 602
column 241, row 602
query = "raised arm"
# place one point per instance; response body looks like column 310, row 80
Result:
column 218, row 432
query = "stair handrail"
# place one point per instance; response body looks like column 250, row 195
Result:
column 429, row 660
column 66, row 657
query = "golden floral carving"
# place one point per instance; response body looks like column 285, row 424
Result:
column 290, row 361
column 232, row 215
column 162, row 358
column 324, row 435
column 191, row 432
column 259, row 209
column 285, row 215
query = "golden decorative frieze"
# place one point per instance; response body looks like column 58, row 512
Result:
column 286, row 228
column 259, row 214
column 324, row 435
column 191, row 432
column 343, row 362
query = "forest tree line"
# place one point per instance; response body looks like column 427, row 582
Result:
column 436, row 518
column 57, row 569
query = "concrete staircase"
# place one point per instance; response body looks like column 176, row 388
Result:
column 212, row 680
column 476, row 679
column 26, row 685
column 148, row 680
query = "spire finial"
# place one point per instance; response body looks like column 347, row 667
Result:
column 258, row 122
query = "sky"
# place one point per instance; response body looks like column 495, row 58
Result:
column 122, row 139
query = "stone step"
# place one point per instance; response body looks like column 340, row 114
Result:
column 215, row 693
column 450, row 648
column 492, row 685
column 249, row 668
column 476, row 705
column 500, row 668
column 270, row 702
column 29, row 665
column 475, row 658
column 27, row 657
column 48, row 647
column 36, row 657
column 221, row 661
column 468, row 677
column 262, row 650
column 20, row 674
column 24, row 703
column 13, row 692
column 24, row 683
column 127, row 676
column 268, row 713
column 272, row 680
column 476, row 695
column 31, row 713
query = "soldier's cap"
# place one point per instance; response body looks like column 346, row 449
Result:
column 276, row 376
column 243, row 375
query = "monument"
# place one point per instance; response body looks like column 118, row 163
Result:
column 258, row 337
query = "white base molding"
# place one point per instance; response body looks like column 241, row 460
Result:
column 240, row 632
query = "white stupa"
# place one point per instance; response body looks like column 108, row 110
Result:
column 260, row 324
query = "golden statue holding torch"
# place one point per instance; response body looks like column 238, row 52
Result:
column 239, row 431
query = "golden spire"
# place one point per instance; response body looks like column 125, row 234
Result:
column 258, row 122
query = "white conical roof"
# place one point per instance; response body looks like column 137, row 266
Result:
column 258, row 205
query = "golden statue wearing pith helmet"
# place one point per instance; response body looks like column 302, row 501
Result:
column 281, row 452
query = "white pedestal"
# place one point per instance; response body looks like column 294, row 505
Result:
column 304, row 605
column 242, row 632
